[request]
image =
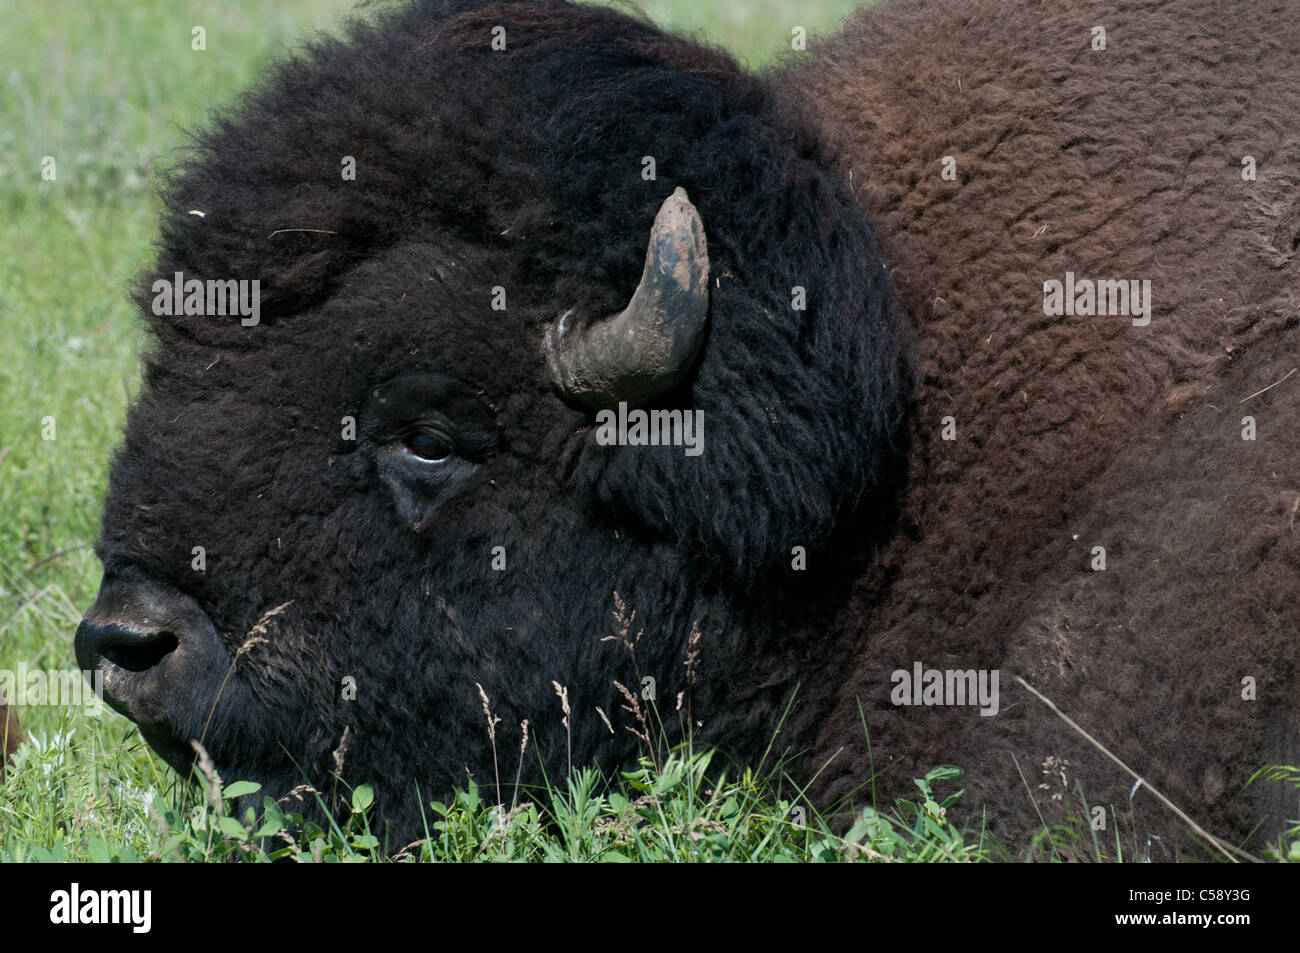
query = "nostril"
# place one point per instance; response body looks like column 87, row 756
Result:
column 125, row 647
column 141, row 655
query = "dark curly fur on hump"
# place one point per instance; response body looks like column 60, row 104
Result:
column 522, row 170
column 1076, row 432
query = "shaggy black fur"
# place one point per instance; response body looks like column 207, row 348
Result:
column 520, row 169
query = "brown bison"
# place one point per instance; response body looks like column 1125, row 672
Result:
column 492, row 316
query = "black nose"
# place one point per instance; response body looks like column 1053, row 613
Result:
column 120, row 645
column 157, row 649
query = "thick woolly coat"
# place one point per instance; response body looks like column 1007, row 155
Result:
column 1076, row 432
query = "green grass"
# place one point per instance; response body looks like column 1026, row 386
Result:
column 675, row 810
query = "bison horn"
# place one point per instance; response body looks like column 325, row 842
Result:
column 647, row 348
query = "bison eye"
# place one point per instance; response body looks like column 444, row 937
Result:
column 429, row 447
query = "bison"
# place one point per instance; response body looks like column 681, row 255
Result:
column 435, row 304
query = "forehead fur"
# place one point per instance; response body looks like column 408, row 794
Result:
column 536, row 151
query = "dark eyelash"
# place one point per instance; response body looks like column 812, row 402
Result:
column 430, row 446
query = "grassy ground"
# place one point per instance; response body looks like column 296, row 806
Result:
column 106, row 89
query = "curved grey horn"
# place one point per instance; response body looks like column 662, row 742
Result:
column 648, row 347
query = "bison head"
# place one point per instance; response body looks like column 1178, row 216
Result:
column 346, row 510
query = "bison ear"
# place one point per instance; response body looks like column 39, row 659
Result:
column 794, row 407
column 646, row 349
